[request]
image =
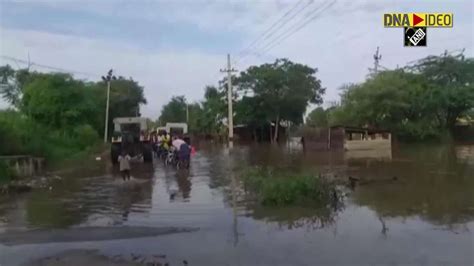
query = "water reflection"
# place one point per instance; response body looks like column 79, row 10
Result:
column 422, row 217
column 297, row 217
column 184, row 183
column 435, row 183
column 76, row 200
column 135, row 197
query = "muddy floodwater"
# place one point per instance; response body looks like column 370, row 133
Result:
column 413, row 206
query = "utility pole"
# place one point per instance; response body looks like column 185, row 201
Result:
column 29, row 62
column 107, row 79
column 230, row 122
column 377, row 58
column 187, row 113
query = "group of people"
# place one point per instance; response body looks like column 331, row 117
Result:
column 174, row 150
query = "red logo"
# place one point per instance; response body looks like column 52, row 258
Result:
column 416, row 20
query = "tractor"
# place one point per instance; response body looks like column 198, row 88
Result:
column 131, row 135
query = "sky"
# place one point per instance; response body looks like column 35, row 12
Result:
column 178, row 47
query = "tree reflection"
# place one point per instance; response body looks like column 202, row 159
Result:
column 435, row 185
column 74, row 200
column 55, row 208
column 297, row 217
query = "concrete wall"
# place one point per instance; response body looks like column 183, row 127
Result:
column 374, row 144
column 24, row 165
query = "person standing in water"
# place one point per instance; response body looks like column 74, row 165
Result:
column 124, row 160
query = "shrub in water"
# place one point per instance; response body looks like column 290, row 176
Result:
column 281, row 188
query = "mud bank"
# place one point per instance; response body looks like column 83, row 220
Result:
column 92, row 257
column 80, row 258
column 80, row 234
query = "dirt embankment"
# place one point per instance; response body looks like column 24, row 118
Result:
column 80, row 234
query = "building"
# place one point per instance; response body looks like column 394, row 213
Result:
column 347, row 138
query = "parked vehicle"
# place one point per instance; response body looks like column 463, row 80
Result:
column 131, row 135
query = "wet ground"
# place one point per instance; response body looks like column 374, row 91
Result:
column 415, row 206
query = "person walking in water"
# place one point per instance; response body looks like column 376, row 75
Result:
column 124, row 160
column 183, row 151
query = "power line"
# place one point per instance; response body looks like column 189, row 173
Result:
column 271, row 31
column 29, row 64
column 295, row 27
column 282, row 26
column 291, row 31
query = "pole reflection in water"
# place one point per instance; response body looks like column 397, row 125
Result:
column 233, row 187
column 234, row 210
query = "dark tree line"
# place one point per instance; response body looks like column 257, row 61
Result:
column 54, row 109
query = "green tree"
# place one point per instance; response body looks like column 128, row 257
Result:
column 12, row 84
column 9, row 90
column 57, row 100
column 282, row 90
column 251, row 112
column 195, row 116
column 451, row 79
column 317, row 118
column 394, row 100
column 174, row 110
column 214, row 110
column 418, row 102
column 56, row 115
column 126, row 96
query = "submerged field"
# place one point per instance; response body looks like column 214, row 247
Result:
column 257, row 205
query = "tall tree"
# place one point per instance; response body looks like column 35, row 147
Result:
column 317, row 118
column 284, row 88
column 214, row 109
column 451, row 80
column 417, row 102
column 126, row 97
column 174, row 110
column 12, row 83
column 57, row 100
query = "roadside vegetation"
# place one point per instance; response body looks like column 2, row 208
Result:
column 419, row 102
column 272, row 187
column 55, row 116
column 264, row 94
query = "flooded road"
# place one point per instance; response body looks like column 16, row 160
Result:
column 415, row 207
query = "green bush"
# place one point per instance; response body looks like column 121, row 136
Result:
column 21, row 135
column 6, row 174
column 85, row 136
column 280, row 188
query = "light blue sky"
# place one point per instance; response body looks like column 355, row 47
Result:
column 150, row 32
column 177, row 47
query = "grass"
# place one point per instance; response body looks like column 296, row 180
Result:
column 284, row 188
